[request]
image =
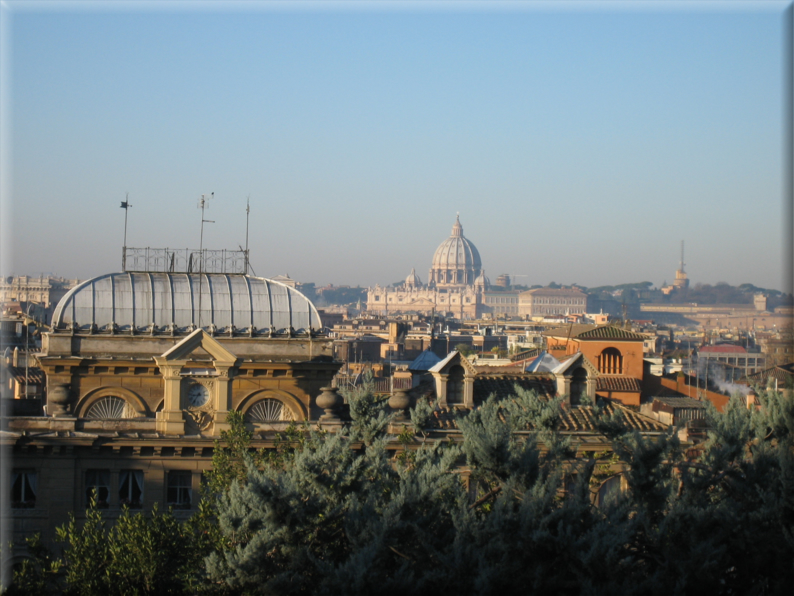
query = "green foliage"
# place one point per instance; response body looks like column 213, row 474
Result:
column 141, row 554
column 38, row 574
column 509, row 508
column 421, row 415
column 464, row 349
column 369, row 412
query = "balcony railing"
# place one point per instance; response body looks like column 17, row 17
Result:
column 187, row 260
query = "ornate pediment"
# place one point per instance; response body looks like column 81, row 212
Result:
column 196, row 345
column 567, row 368
column 452, row 359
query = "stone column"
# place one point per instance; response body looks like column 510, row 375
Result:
column 591, row 388
column 170, row 420
column 441, row 389
column 223, row 399
column 468, row 391
column 563, row 387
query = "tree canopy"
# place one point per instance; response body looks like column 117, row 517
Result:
column 511, row 506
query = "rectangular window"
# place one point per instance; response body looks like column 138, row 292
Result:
column 23, row 489
column 180, row 489
column 97, row 486
column 131, row 488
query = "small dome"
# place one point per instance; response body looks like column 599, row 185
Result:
column 456, row 261
column 413, row 279
column 482, row 280
column 180, row 302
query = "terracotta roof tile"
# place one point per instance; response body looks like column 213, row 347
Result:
column 723, row 349
column 609, row 383
column 36, row 375
column 782, row 374
column 576, row 420
column 610, row 332
column 526, row 355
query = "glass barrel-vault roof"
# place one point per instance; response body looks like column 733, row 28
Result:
column 161, row 302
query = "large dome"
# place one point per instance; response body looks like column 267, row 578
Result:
column 180, row 302
column 456, row 261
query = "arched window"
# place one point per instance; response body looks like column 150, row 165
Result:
column 455, row 385
column 609, row 491
column 269, row 410
column 110, row 407
column 610, row 362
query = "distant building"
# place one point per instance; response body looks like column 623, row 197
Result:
column 455, row 286
column 286, row 280
column 45, row 291
column 681, row 281
column 778, row 348
column 502, row 303
column 735, row 356
column 503, row 281
column 552, row 301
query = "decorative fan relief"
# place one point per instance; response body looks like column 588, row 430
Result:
column 269, row 410
column 110, row 407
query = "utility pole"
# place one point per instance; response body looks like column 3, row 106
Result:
column 27, row 350
column 247, row 216
column 125, row 204
column 203, row 203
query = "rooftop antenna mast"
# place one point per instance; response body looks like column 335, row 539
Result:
column 204, row 203
column 682, row 255
column 125, row 204
column 247, row 217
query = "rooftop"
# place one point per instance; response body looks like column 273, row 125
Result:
column 611, row 332
column 178, row 303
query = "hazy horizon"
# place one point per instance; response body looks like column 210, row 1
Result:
column 580, row 143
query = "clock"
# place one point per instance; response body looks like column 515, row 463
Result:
column 197, row 395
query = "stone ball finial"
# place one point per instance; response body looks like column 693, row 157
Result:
column 399, row 402
column 58, row 400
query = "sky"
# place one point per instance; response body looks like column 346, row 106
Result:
column 579, row 142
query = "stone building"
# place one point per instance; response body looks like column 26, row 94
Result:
column 502, row 303
column 552, row 301
column 141, row 370
column 455, row 286
column 44, row 291
column 616, row 354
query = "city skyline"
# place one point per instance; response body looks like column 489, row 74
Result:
column 580, row 144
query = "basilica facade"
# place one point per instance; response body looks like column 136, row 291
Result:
column 455, row 286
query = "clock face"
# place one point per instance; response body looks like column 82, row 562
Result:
column 197, row 395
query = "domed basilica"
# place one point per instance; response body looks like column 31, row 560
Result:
column 455, row 285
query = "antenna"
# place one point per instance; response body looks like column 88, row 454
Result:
column 247, row 216
column 248, row 264
column 125, row 204
column 682, row 256
column 203, row 203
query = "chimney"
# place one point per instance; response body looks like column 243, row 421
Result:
column 15, row 358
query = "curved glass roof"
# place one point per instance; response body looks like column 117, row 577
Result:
column 182, row 302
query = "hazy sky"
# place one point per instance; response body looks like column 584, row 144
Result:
column 579, row 142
